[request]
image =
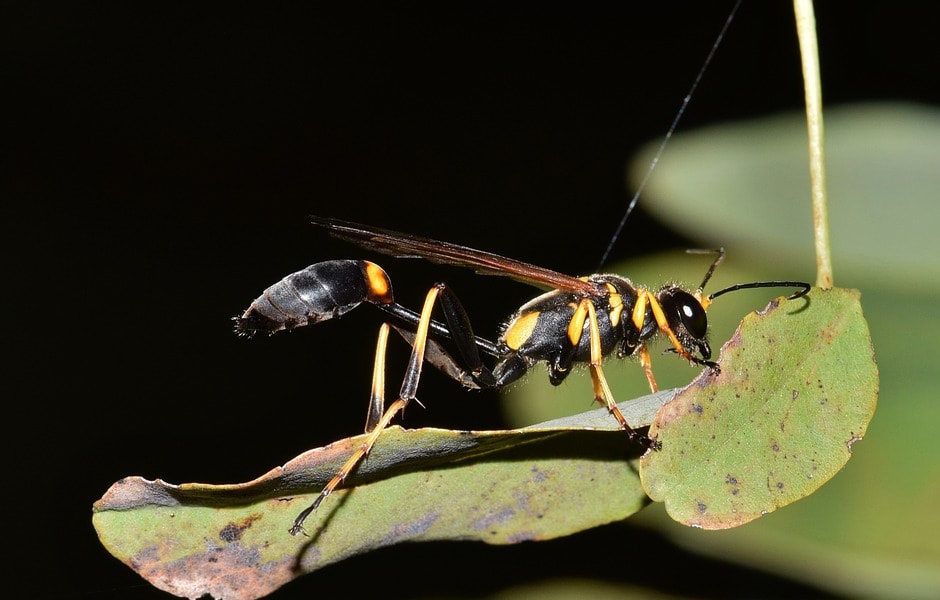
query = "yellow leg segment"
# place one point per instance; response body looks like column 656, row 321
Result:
column 409, row 386
column 377, row 396
column 602, row 392
column 647, row 365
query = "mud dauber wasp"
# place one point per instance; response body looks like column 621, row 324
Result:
column 579, row 320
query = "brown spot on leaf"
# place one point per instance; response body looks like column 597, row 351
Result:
column 234, row 572
column 234, row 530
column 851, row 441
column 773, row 304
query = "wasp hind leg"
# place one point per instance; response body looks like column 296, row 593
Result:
column 379, row 417
column 376, row 420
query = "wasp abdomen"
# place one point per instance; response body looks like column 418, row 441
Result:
column 322, row 291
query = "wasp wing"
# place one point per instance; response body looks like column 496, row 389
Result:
column 403, row 245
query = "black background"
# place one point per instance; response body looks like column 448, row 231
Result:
column 162, row 164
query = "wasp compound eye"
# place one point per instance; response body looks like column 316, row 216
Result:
column 685, row 311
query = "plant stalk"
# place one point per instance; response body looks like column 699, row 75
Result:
column 809, row 52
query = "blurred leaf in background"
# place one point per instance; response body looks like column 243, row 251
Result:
column 873, row 530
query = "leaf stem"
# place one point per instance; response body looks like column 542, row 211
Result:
column 809, row 52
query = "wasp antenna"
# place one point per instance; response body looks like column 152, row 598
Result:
column 672, row 129
column 761, row 284
column 708, row 274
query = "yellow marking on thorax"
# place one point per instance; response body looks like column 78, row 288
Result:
column 639, row 309
column 576, row 325
column 616, row 305
column 520, row 330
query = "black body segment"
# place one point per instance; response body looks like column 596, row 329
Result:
column 322, row 291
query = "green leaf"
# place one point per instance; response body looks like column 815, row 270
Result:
column 499, row 487
column 797, row 388
column 746, row 185
column 863, row 534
